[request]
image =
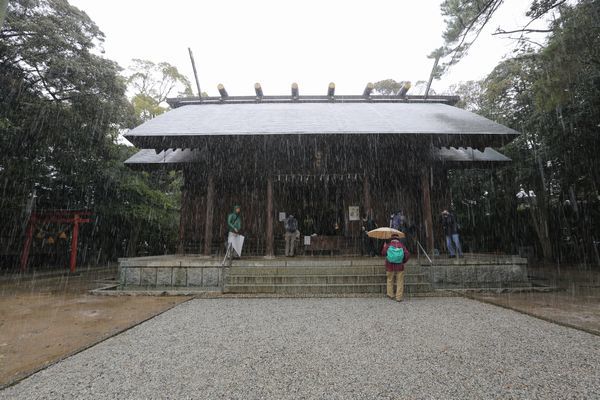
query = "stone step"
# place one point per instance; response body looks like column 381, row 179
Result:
column 315, row 270
column 310, row 262
column 329, row 289
column 319, row 279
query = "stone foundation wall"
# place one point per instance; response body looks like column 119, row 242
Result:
column 206, row 272
column 480, row 276
column 175, row 273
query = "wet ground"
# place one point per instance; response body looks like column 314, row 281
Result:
column 576, row 303
column 46, row 319
column 581, row 310
column 442, row 348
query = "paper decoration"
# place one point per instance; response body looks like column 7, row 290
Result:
column 354, row 213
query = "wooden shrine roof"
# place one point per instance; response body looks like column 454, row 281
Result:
column 183, row 125
column 175, row 158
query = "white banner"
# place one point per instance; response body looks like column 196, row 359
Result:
column 237, row 242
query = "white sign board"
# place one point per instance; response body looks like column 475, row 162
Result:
column 354, row 213
column 281, row 216
column 307, row 240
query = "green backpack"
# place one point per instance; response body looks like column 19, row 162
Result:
column 395, row 255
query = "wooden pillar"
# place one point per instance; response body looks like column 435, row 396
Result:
column 427, row 215
column 74, row 239
column 27, row 245
column 367, row 196
column 269, row 239
column 208, row 227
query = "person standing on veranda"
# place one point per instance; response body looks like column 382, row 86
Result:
column 291, row 234
column 234, row 224
column 450, row 227
column 396, row 255
column 368, row 246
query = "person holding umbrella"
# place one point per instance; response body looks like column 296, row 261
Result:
column 396, row 255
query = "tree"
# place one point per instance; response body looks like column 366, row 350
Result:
column 552, row 96
column 387, row 87
column 61, row 108
column 466, row 19
column 3, row 5
column 61, row 103
column 152, row 84
column 470, row 94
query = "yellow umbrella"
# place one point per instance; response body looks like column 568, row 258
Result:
column 384, row 233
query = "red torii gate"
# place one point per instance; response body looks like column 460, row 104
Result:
column 59, row 217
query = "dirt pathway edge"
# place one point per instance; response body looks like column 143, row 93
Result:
column 530, row 314
column 34, row 371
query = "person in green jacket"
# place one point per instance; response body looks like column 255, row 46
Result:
column 234, row 220
column 234, row 225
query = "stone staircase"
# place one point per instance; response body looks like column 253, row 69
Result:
column 313, row 276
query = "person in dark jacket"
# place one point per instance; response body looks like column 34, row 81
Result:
column 450, row 227
column 398, row 220
column 291, row 234
column 368, row 243
column 395, row 268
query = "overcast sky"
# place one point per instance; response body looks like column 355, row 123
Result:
column 312, row 42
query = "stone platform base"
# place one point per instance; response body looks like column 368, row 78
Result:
column 171, row 271
column 479, row 271
column 313, row 276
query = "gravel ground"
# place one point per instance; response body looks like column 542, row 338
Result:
column 330, row 349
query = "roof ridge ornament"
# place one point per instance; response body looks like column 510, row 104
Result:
column 368, row 89
column 404, row 89
column 258, row 90
column 331, row 90
column 222, row 91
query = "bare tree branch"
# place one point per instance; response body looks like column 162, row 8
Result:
column 494, row 4
column 524, row 30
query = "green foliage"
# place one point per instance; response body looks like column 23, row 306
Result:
column 62, row 107
column 470, row 94
column 466, row 19
column 387, row 87
column 553, row 97
column 152, row 84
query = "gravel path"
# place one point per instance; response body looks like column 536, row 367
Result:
column 330, row 349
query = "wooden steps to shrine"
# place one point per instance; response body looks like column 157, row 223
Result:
column 327, row 277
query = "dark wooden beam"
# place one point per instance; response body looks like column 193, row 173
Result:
column 427, row 214
column 208, row 227
column 182, row 101
column 367, row 196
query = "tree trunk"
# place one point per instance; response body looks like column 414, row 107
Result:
column 3, row 6
column 133, row 240
column 540, row 224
